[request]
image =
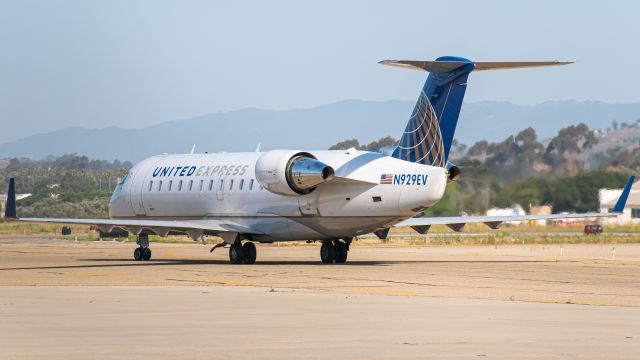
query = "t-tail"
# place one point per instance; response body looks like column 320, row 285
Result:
column 428, row 136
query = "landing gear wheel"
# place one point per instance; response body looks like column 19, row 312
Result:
column 146, row 254
column 341, row 252
column 142, row 252
column 327, row 252
column 250, row 253
column 236, row 255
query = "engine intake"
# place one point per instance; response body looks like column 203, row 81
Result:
column 288, row 172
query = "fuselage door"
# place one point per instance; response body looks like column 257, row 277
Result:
column 139, row 185
column 135, row 186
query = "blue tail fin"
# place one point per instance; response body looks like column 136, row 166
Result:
column 429, row 133
column 10, row 209
column 428, row 136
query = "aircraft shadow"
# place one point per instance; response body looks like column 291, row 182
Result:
column 106, row 263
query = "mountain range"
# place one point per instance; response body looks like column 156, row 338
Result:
column 312, row 128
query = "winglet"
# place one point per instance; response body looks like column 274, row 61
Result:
column 10, row 209
column 622, row 200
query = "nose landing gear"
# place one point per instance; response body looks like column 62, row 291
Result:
column 143, row 252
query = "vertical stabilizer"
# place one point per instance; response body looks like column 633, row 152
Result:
column 428, row 136
column 10, row 209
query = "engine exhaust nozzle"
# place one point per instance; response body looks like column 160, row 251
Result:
column 305, row 173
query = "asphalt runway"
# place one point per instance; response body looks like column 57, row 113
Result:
column 92, row 301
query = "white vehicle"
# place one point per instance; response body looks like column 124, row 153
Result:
column 293, row 195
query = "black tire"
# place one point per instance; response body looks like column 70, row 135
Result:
column 341, row 252
column 327, row 252
column 137, row 254
column 236, row 255
column 146, row 254
column 250, row 252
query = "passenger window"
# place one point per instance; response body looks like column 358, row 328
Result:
column 211, row 185
column 190, row 185
column 180, row 186
column 150, row 185
column 241, row 183
column 251, row 185
column 160, row 185
column 231, row 184
column 201, row 184
column 170, row 184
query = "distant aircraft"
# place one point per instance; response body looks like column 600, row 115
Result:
column 289, row 195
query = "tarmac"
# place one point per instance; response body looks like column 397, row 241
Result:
column 66, row 299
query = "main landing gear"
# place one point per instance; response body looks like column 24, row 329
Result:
column 335, row 251
column 143, row 252
column 242, row 254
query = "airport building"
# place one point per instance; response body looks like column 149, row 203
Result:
column 631, row 214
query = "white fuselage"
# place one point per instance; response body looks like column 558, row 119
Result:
column 224, row 186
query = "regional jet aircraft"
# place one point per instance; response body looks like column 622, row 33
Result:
column 296, row 194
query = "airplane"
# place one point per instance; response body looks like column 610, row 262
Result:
column 331, row 196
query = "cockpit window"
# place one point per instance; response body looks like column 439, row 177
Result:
column 124, row 178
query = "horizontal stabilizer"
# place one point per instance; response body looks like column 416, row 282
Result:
column 446, row 66
column 458, row 222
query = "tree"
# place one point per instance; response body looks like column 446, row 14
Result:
column 563, row 151
column 620, row 158
column 346, row 144
column 387, row 141
column 569, row 193
column 374, row 146
column 479, row 149
column 514, row 157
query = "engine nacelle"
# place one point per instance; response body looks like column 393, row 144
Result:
column 291, row 172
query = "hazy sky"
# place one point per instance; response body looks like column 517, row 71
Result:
column 135, row 63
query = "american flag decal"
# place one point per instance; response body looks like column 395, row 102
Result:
column 386, row 179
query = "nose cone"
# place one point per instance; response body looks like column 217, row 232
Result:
column 306, row 173
column 119, row 203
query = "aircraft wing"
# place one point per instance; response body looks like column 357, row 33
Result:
column 422, row 224
column 194, row 228
column 183, row 226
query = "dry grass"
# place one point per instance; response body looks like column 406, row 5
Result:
column 474, row 234
column 507, row 238
column 523, row 228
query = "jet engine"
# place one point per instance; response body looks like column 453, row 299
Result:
column 289, row 172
